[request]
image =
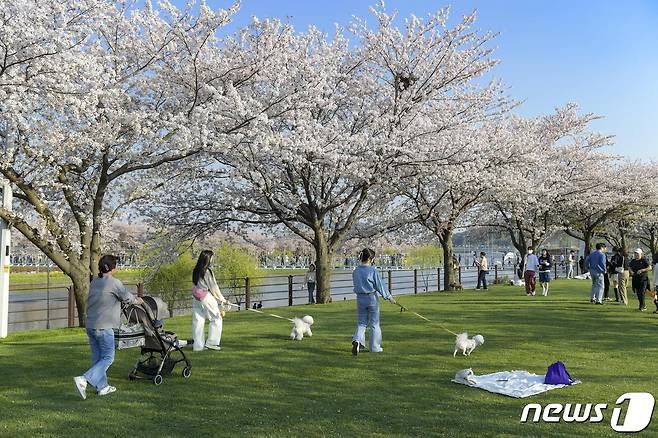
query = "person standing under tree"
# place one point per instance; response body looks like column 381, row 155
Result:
column 596, row 264
column 483, row 270
column 309, row 279
column 570, row 263
column 655, row 280
column 545, row 263
column 619, row 268
column 205, row 304
column 106, row 294
column 639, row 267
column 530, row 273
column 367, row 286
column 606, row 280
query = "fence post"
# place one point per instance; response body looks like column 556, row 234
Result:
column 438, row 279
column 415, row 281
column 390, row 281
column 460, row 275
column 495, row 274
column 71, row 307
column 555, row 266
column 290, row 290
column 140, row 289
column 247, row 293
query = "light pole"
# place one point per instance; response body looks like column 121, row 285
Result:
column 5, row 241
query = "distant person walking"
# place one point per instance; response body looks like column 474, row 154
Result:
column 654, row 261
column 530, row 272
column 545, row 263
column 571, row 261
column 581, row 265
column 639, row 267
column 309, row 279
column 620, row 265
column 205, row 305
column 367, row 286
column 596, row 264
column 483, row 270
column 106, row 294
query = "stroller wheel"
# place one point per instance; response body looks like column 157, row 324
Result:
column 158, row 379
column 187, row 372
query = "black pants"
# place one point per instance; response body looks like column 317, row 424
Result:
column 606, row 286
column 639, row 287
column 482, row 279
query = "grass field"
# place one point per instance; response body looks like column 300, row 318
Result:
column 262, row 384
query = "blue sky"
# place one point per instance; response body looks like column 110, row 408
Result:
column 601, row 54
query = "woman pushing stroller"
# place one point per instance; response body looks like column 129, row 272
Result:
column 106, row 294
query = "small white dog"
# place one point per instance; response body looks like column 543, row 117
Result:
column 301, row 327
column 467, row 345
column 517, row 282
column 466, row 376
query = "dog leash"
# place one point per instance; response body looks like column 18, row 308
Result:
column 261, row 312
column 426, row 319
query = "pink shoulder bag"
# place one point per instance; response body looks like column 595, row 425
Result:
column 199, row 293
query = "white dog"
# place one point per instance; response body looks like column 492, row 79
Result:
column 517, row 282
column 467, row 345
column 301, row 327
column 466, row 376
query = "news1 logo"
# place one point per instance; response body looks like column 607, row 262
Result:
column 637, row 416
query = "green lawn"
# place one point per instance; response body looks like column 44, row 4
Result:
column 262, row 384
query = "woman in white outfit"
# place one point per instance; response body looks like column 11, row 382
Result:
column 207, row 298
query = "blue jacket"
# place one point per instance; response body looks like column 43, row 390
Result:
column 596, row 262
column 367, row 280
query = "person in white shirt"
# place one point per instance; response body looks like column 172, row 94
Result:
column 309, row 279
column 570, row 263
column 530, row 273
column 206, row 306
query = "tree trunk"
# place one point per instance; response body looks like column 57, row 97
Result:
column 81, row 285
column 323, row 256
column 587, row 238
column 449, row 273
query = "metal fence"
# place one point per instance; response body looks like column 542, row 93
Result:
column 42, row 307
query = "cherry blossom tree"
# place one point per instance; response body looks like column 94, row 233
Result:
column 439, row 196
column 557, row 155
column 341, row 124
column 97, row 98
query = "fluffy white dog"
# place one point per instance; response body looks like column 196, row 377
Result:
column 467, row 345
column 301, row 327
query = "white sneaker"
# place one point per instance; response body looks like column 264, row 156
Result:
column 107, row 390
column 81, row 386
column 214, row 347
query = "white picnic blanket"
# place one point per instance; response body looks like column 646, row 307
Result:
column 518, row 384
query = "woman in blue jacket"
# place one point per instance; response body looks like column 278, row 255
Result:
column 367, row 285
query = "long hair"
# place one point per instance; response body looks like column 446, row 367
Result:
column 202, row 266
column 106, row 264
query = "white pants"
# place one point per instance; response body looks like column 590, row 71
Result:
column 208, row 309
